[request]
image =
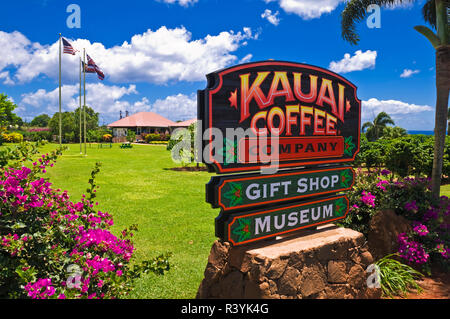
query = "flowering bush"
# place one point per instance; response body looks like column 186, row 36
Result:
column 12, row 137
column 365, row 200
column 51, row 247
column 429, row 241
column 107, row 138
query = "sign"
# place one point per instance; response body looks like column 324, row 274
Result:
column 257, row 225
column 236, row 191
column 275, row 112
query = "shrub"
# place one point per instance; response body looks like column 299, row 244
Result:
column 107, row 138
column 410, row 155
column 429, row 242
column 364, row 200
column 131, row 136
column 13, row 137
column 34, row 135
column 152, row 137
column 51, row 247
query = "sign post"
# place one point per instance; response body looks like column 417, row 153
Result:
column 300, row 123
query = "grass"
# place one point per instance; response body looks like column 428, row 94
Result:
column 138, row 187
column 445, row 190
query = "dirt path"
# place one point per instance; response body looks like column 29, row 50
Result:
column 434, row 287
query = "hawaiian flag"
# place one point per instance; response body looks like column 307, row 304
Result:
column 87, row 68
column 91, row 64
column 68, row 48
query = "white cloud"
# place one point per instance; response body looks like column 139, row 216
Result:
column 408, row 72
column 102, row 98
column 308, row 9
column 359, row 61
column 6, row 78
column 400, row 5
column 246, row 59
column 271, row 17
column 395, row 108
column 157, row 56
column 108, row 101
column 183, row 3
column 312, row 9
column 176, row 107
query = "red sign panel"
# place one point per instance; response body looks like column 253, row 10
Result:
column 288, row 114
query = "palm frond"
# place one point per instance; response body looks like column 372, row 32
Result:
column 429, row 12
column 355, row 11
column 367, row 125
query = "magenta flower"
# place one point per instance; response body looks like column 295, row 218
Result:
column 381, row 183
column 412, row 251
column 411, row 206
column 368, row 199
column 421, row 230
column 41, row 289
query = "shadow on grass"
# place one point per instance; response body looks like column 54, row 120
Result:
column 186, row 169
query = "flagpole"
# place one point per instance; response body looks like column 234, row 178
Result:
column 84, row 106
column 81, row 151
column 60, row 116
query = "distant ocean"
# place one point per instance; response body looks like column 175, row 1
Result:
column 421, row 132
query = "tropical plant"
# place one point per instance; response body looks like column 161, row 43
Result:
column 182, row 145
column 435, row 13
column 393, row 132
column 374, row 130
column 396, row 278
column 131, row 136
column 448, row 122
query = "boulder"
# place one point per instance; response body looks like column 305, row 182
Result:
column 384, row 228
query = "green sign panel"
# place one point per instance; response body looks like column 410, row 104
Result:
column 237, row 192
column 256, row 225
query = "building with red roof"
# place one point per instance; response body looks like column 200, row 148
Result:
column 144, row 123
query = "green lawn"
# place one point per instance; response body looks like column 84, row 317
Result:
column 137, row 187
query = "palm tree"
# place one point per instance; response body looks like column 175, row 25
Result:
column 393, row 132
column 448, row 122
column 374, row 130
column 435, row 13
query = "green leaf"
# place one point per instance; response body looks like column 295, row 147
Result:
column 429, row 34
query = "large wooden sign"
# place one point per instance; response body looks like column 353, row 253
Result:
column 236, row 192
column 293, row 114
column 257, row 225
column 303, row 122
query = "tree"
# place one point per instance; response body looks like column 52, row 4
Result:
column 374, row 130
column 448, row 121
column 40, row 120
column 91, row 120
column 68, row 125
column 393, row 132
column 7, row 117
column 435, row 13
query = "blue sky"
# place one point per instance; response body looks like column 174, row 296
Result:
column 155, row 53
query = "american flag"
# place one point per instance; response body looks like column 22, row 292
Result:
column 91, row 64
column 67, row 47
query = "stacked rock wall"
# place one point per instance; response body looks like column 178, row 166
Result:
column 327, row 263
